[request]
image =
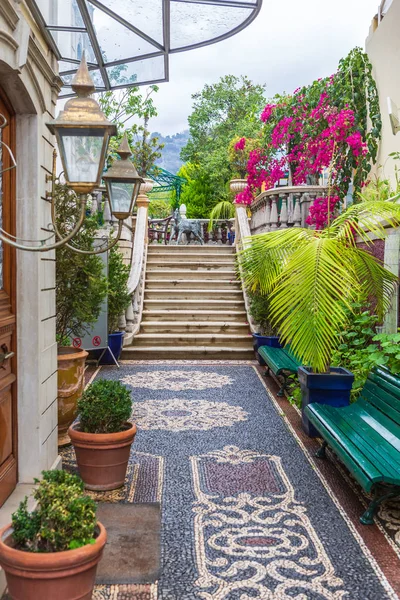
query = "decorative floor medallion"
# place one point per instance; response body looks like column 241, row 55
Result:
column 179, row 414
column 253, row 539
column 177, row 380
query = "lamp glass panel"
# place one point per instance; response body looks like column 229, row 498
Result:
column 82, row 153
column 121, row 196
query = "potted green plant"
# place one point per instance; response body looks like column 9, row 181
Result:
column 102, row 437
column 53, row 551
column 80, row 291
column 312, row 278
column 118, row 301
column 267, row 335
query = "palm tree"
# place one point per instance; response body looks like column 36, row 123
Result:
column 312, row 277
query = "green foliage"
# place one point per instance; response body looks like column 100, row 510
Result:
column 222, row 111
column 159, row 209
column 198, row 194
column 238, row 159
column 223, row 210
column 260, row 312
column 386, row 353
column 64, row 518
column 354, row 340
column 80, row 284
column 313, row 277
column 118, row 295
column 105, row 407
column 120, row 108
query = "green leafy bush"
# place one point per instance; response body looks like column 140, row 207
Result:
column 118, row 295
column 105, row 407
column 259, row 310
column 386, row 353
column 64, row 518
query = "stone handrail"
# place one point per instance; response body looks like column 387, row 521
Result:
column 133, row 313
column 283, row 207
column 242, row 234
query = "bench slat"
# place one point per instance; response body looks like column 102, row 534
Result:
column 383, row 425
column 365, row 472
column 278, row 359
column 382, row 399
column 371, row 444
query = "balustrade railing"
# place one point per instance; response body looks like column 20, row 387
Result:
column 160, row 231
column 283, row 207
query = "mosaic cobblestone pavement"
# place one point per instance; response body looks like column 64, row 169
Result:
column 244, row 514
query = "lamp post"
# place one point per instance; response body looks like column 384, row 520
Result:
column 83, row 132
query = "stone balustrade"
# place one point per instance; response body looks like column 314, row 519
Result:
column 283, row 207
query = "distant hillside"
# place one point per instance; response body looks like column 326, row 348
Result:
column 170, row 160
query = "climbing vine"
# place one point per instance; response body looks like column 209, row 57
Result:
column 333, row 123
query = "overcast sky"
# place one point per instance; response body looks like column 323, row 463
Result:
column 291, row 43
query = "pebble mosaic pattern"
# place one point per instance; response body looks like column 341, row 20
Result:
column 243, row 513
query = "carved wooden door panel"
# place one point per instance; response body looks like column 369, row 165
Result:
column 8, row 396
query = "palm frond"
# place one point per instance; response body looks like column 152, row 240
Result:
column 376, row 281
column 223, row 210
column 366, row 218
column 309, row 303
column 265, row 254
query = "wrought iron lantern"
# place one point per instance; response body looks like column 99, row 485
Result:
column 122, row 183
column 82, row 132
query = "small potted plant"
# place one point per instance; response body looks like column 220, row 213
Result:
column 102, row 437
column 53, row 551
column 80, row 291
column 267, row 334
column 118, row 301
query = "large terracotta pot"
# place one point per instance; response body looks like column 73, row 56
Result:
column 102, row 457
column 71, row 369
column 53, row 575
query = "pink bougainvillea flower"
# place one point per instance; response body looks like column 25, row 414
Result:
column 240, row 145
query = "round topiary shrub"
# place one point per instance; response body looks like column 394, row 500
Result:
column 105, row 407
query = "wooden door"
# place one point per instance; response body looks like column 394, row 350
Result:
column 8, row 396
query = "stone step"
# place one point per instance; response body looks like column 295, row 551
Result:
column 194, row 284
column 173, row 314
column 204, row 265
column 209, row 327
column 198, row 304
column 193, row 249
column 193, row 339
column 192, row 274
column 204, row 295
column 182, row 258
column 186, row 352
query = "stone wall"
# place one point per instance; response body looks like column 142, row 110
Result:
column 28, row 77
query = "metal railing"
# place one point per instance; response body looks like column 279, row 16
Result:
column 160, row 231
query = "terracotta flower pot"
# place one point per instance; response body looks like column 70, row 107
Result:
column 71, row 369
column 102, row 457
column 53, row 575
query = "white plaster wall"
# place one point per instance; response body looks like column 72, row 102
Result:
column 28, row 76
column 383, row 49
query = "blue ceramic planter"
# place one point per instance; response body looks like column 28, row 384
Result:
column 115, row 342
column 264, row 340
column 325, row 388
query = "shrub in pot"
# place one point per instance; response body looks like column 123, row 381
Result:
column 266, row 334
column 80, row 291
column 312, row 279
column 102, row 437
column 53, row 551
column 118, row 301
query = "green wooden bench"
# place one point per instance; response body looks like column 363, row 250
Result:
column 282, row 363
column 366, row 437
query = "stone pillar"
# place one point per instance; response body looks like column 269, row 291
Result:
column 242, row 227
column 391, row 260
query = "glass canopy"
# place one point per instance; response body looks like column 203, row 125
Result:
column 127, row 42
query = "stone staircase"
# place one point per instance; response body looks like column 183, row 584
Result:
column 193, row 306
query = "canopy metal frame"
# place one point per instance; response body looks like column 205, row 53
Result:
column 160, row 49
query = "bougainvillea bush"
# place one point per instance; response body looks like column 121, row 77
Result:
column 321, row 126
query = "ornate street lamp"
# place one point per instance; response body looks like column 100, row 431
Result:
column 122, row 183
column 83, row 133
